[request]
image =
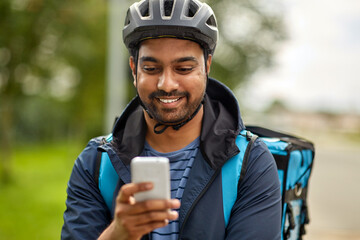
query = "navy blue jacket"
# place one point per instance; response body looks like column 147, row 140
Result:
column 256, row 213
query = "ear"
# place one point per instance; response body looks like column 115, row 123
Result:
column 133, row 69
column 208, row 63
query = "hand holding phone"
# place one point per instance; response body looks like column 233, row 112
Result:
column 155, row 170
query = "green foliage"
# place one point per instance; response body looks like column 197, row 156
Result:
column 54, row 51
column 250, row 32
column 33, row 204
column 52, row 64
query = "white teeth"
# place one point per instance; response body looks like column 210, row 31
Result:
column 168, row 100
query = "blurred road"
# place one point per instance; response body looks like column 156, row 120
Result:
column 334, row 197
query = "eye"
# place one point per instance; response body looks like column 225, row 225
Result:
column 184, row 70
column 150, row 69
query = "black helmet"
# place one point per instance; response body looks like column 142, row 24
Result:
column 184, row 19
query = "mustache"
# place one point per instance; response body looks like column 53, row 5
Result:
column 162, row 93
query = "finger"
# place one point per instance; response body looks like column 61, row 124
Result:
column 154, row 205
column 130, row 189
column 143, row 210
column 149, row 217
column 146, row 222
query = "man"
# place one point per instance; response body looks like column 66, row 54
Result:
column 193, row 120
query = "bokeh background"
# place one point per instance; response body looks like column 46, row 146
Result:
column 294, row 66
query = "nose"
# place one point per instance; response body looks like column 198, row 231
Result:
column 167, row 81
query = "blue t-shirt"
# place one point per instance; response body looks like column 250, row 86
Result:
column 181, row 162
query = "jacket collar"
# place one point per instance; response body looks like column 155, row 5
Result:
column 221, row 125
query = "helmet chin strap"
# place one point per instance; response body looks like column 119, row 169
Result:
column 176, row 126
column 165, row 126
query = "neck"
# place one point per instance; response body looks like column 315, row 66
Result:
column 172, row 140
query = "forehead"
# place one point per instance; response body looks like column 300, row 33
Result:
column 170, row 48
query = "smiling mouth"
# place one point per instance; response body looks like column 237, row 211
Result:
column 168, row 100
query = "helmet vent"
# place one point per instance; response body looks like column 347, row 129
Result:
column 168, row 7
column 211, row 21
column 193, row 8
column 144, row 8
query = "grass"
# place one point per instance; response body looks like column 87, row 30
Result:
column 32, row 204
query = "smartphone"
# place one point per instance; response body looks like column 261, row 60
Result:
column 155, row 170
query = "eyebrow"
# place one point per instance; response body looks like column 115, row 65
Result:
column 180, row 60
column 148, row 59
column 186, row 59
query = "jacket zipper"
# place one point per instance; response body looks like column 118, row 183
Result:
column 197, row 200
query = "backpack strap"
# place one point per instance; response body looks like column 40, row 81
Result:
column 97, row 167
column 251, row 138
column 105, row 175
column 108, row 179
column 234, row 171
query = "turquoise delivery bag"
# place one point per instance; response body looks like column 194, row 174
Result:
column 294, row 158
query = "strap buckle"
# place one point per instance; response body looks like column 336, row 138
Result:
column 298, row 190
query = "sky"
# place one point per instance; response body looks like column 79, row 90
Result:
column 318, row 66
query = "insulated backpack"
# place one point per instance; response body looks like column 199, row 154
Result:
column 294, row 159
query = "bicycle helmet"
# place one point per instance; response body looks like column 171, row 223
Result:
column 184, row 19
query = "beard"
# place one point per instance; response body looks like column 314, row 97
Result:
column 171, row 116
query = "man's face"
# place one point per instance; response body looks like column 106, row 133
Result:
column 171, row 78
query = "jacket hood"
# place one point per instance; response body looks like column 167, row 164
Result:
column 221, row 125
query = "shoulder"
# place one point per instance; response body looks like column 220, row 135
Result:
column 86, row 161
column 260, row 155
column 83, row 175
column 261, row 165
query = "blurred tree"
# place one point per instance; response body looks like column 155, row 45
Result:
column 250, row 34
column 51, row 70
column 277, row 106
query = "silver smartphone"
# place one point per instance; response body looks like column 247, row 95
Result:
column 155, row 170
